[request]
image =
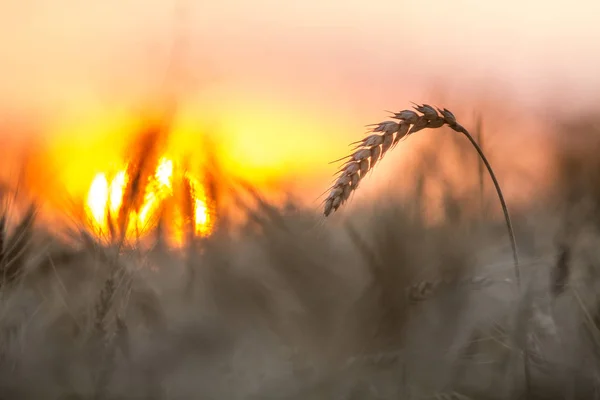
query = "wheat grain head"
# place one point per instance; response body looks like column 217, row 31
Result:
column 371, row 149
column 383, row 137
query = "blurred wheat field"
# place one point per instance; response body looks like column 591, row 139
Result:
column 379, row 301
column 166, row 231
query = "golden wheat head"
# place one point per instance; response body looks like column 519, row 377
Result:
column 383, row 137
column 386, row 135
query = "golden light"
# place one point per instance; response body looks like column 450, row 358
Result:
column 201, row 211
column 105, row 200
column 97, row 198
column 98, row 169
column 117, row 190
column 164, row 172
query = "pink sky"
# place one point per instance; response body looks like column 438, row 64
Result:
column 301, row 77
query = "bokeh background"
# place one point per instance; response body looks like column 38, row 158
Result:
column 411, row 290
column 284, row 86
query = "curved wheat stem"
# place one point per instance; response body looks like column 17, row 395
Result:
column 509, row 227
column 385, row 136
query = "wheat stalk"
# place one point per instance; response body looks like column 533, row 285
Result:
column 385, row 136
column 104, row 335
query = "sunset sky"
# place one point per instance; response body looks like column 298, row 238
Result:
column 288, row 83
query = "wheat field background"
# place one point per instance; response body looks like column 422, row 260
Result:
column 240, row 260
column 379, row 302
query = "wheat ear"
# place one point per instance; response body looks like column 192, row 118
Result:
column 383, row 137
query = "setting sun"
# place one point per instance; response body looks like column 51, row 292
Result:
column 106, row 199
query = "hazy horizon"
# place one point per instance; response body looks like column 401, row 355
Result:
column 287, row 85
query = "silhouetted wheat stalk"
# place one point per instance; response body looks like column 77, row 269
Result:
column 104, row 334
column 14, row 248
column 386, row 135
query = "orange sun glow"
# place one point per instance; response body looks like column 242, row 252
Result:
column 106, row 196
